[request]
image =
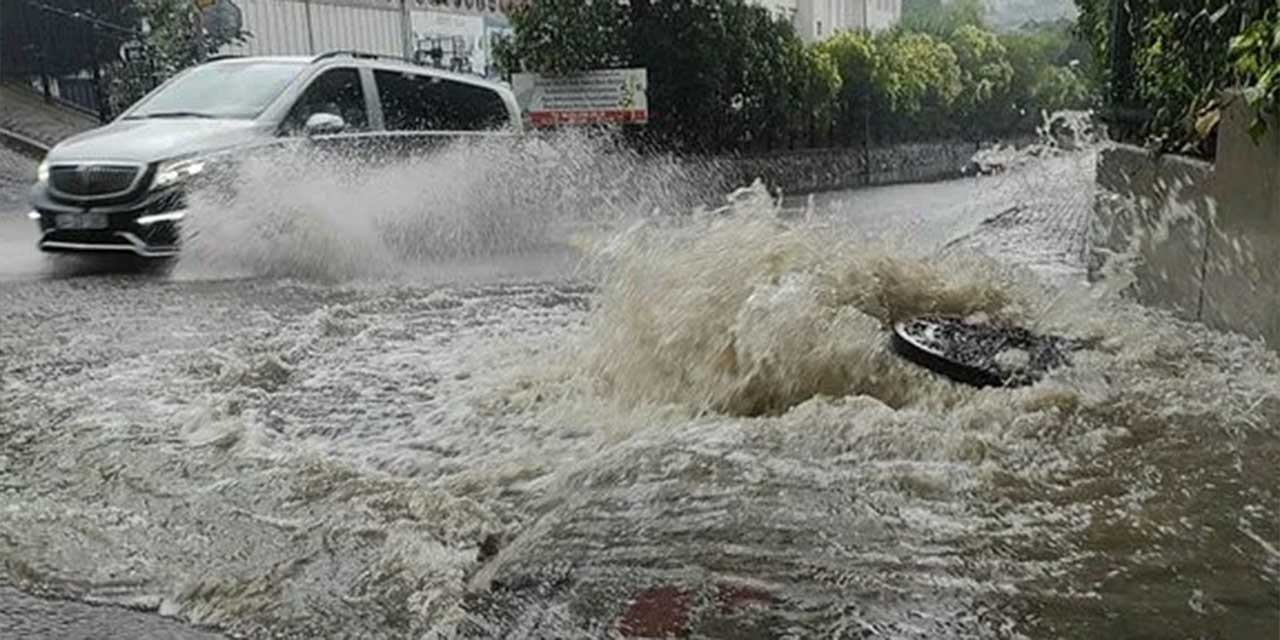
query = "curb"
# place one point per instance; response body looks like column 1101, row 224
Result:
column 23, row 144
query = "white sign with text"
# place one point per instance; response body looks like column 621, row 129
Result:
column 605, row 96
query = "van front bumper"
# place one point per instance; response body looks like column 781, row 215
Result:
column 148, row 228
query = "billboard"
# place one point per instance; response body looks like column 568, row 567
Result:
column 606, row 96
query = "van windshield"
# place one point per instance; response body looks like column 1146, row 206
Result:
column 236, row 90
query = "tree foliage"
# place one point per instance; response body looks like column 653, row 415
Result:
column 985, row 70
column 918, row 72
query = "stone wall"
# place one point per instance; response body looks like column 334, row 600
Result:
column 1201, row 240
column 811, row 170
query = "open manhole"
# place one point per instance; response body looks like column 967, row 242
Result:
column 981, row 354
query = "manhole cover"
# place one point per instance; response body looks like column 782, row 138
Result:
column 980, row 354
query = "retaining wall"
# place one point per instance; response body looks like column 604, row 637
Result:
column 810, row 170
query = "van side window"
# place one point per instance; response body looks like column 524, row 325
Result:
column 337, row 92
column 419, row 102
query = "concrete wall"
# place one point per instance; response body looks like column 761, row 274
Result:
column 1152, row 218
column 1200, row 240
column 1242, row 275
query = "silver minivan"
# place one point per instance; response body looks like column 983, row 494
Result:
column 120, row 187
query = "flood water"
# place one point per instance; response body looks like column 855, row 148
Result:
column 466, row 399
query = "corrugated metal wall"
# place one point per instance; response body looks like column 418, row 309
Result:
column 293, row 27
column 363, row 28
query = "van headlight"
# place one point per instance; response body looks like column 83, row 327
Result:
column 176, row 172
column 42, row 172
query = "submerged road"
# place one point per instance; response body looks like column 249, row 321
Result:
column 310, row 444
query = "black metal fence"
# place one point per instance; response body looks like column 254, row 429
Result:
column 1167, row 63
column 65, row 49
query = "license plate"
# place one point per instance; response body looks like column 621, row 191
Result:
column 88, row 220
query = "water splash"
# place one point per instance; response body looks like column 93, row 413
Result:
column 736, row 311
column 323, row 214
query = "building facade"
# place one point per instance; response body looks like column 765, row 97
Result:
column 817, row 20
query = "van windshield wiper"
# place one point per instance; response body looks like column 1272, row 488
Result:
column 171, row 114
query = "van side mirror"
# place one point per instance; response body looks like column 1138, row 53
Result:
column 324, row 123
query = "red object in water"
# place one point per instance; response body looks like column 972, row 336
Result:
column 732, row 596
column 660, row 612
column 667, row 612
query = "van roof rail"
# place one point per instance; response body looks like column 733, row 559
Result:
column 222, row 56
column 355, row 54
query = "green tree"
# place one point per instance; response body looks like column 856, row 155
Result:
column 856, row 58
column 815, row 84
column 919, row 74
column 985, row 78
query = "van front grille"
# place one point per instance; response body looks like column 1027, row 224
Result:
column 93, row 180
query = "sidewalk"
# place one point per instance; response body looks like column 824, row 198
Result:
column 17, row 173
column 25, row 113
column 28, row 126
